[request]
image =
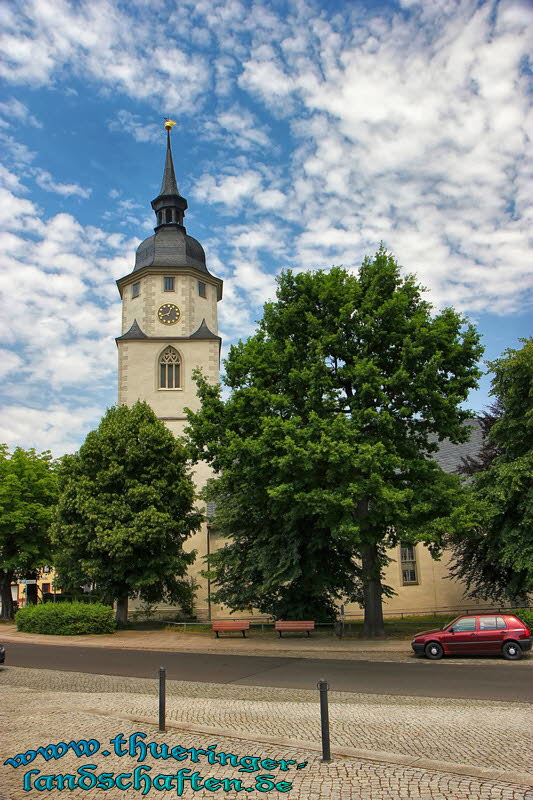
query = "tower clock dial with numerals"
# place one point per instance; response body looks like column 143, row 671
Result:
column 168, row 314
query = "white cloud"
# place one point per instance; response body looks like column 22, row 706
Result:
column 237, row 127
column 13, row 108
column 231, row 190
column 9, row 362
column 16, row 152
column 10, row 180
column 58, row 320
column 126, row 122
column 46, row 182
column 54, row 428
column 103, row 44
column 410, row 130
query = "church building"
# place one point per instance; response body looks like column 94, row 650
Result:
column 169, row 328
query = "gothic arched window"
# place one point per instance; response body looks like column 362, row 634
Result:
column 169, row 369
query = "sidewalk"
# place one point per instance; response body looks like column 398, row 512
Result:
column 256, row 643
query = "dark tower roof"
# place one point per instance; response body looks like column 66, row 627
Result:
column 169, row 205
column 169, row 185
column 170, row 246
column 134, row 332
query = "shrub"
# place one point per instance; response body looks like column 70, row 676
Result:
column 66, row 619
column 525, row 614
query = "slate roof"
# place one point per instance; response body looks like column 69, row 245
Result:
column 449, row 455
column 134, row 333
column 169, row 185
column 203, row 332
column 170, row 247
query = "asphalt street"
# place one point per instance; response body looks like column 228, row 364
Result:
column 419, row 678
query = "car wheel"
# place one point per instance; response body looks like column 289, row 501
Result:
column 433, row 650
column 512, row 651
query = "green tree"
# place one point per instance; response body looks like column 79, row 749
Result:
column 125, row 510
column 28, row 493
column 323, row 449
column 495, row 560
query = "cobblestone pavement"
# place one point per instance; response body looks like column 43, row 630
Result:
column 343, row 778
column 42, row 706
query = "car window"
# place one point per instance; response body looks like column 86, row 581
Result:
column 488, row 623
column 449, row 625
column 501, row 623
column 465, row 624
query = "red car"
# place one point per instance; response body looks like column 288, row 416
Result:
column 482, row 634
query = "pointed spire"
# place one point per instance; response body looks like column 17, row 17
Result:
column 169, row 184
column 169, row 205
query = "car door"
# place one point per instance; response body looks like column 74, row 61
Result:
column 491, row 633
column 461, row 637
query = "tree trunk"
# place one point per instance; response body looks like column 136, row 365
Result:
column 121, row 615
column 372, row 591
column 6, row 579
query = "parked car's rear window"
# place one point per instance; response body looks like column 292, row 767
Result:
column 514, row 620
column 491, row 623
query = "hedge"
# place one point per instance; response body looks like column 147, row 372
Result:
column 66, row 619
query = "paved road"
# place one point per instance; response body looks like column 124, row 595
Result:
column 421, row 678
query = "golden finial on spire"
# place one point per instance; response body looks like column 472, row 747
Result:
column 169, row 123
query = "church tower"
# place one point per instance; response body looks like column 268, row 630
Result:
column 169, row 326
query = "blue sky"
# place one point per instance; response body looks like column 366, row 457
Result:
column 308, row 132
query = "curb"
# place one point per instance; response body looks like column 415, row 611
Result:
column 382, row 757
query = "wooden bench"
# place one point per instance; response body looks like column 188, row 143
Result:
column 294, row 625
column 223, row 625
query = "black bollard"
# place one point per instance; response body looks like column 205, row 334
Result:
column 324, row 720
column 162, row 697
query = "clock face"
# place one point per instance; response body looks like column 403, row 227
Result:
column 169, row 314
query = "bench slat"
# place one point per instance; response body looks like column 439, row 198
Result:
column 302, row 624
column 230, row 625
column 294, row 625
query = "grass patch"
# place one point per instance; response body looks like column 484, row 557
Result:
column 402, row 628
column 144, row 625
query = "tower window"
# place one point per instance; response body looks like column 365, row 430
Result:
column 159, row 217
column 169, row 284
column 168, row 215
column 136, row 289
column 201, row 289
column 169, row 369
column 408, row 563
